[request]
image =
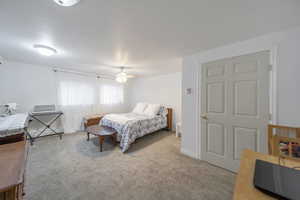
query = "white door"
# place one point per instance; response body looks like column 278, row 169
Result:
column 234, row 108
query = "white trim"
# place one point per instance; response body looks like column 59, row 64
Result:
column 273, row 87
column 189, row 153
column 198, row 108
column 199, row 128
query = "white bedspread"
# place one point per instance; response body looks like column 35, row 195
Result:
column 13, row 124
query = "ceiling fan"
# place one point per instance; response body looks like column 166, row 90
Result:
column 66, row 2
column 122, row 76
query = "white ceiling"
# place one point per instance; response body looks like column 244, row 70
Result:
column 149, row 35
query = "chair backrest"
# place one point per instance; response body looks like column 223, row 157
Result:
column 284, row 141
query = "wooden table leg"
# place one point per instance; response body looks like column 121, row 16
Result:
column 88, row 136
column 101, row 140
column 114, row 138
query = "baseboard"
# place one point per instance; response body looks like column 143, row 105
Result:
column 189, row 153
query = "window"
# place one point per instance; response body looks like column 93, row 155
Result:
column 73, row 93
column 111, row 94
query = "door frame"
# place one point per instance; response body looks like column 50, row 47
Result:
column 273, row 49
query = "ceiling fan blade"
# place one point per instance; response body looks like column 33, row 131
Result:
column 130, row 76
column 116, row 67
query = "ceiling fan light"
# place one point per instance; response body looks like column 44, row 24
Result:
column 121, row 77
column 45, row 50
column 66, row 2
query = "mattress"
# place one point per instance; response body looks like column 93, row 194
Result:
column 131, row 126
column 13, row 124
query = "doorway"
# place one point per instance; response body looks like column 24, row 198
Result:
column 234, row 108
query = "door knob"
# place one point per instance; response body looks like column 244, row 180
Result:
column 204, row 116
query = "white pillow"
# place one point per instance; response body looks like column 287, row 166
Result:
column 152, row 109
column 139, row 108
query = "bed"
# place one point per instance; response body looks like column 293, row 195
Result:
column 13, row 127
column 131, row 126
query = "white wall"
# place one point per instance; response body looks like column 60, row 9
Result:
column 163, row 89
column 27, row 85
column 30, row 85
column 284, row 47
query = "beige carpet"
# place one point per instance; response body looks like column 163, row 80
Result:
column 154, row 168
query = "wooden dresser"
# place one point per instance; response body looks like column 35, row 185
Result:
column 12, row 170
column 13, row 138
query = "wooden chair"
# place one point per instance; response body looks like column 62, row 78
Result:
column 92, row 120
column 284, row 141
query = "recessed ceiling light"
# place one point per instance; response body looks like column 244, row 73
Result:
column 45, row 50
column 66, row 2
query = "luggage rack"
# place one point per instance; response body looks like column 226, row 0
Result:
column 45, row 110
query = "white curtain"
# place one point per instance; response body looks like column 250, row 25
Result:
column 79, row 96
column 111, row 93
column 74, row 93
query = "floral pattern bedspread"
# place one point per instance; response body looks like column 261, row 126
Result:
column 134, row 127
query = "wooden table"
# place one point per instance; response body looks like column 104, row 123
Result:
column 244, row 188
column 12, row 169
column 101, row 132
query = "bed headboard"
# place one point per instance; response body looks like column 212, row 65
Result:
column 169, row 119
